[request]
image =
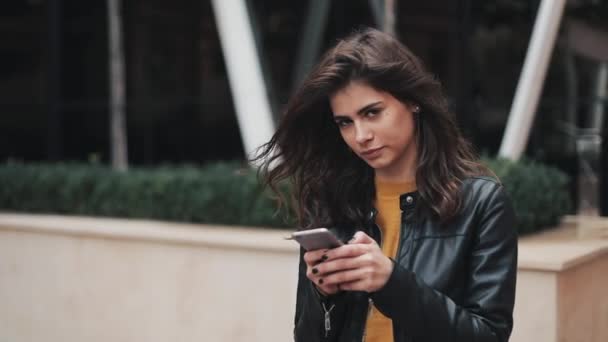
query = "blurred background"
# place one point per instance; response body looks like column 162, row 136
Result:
column 114, row 110
column 55, row 80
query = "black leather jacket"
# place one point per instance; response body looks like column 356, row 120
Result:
column 454, row 282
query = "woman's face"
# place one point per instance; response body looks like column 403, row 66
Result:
column 378, row 128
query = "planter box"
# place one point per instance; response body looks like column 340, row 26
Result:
column 70, row 279
column 562, row 285
column 87, row 279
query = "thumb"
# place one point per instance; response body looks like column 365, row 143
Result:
column 361, row 237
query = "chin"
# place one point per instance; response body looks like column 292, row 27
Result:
column 377, row 164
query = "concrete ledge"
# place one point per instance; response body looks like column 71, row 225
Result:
column 153, row 231
column 74, row 279
column 558, row 256
column 576, row 241
column 553, row 250
column 104, row 279
column 562, row 281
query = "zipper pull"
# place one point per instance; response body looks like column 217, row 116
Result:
column 327, row 318
column 327, row 324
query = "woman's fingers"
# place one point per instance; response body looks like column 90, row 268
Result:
column 342, row 277
column 361, row 237
column 356, row 285
column 312, row 258
column 360, row 243
column 341, row 264
column 368, row 278
column 358, row 266
column 348, row 251
column 326, row 289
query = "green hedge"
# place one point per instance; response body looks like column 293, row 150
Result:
column 539, row 193
column 222, row 193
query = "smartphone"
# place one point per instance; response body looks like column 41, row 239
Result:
column 318, row 238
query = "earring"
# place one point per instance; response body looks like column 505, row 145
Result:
column 416, row 109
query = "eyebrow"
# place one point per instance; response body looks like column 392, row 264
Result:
column 360, row 111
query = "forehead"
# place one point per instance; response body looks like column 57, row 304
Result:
column 354, row 96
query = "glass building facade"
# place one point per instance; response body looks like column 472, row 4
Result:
column 54, row 74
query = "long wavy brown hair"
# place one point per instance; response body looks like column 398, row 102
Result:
column 331, row 185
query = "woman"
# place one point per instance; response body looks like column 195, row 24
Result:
column 373, row 152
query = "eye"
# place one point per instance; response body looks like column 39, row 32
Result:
column 342, row 122
column 372, row 112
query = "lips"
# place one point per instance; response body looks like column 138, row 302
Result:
column 372, row 152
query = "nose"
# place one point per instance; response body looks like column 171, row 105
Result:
column 362, row 133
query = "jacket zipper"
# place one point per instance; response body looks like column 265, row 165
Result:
column 401, row 234
column 370, row 302
column 381, row 235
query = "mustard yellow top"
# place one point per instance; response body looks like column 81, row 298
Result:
column 379, row 328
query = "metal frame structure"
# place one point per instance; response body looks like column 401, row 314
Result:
column 253, row 109
column 532, row 79
column 249, row 90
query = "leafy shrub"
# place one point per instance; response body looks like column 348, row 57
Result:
column 224, row 193
column 539, row 193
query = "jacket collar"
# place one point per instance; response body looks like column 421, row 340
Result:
column 407, row 202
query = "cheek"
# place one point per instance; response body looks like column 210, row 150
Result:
column 402, row 131
column 347, row 137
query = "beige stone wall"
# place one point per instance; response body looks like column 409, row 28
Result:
column 82, row 279
column 583, row 307
column 535, row 312
column 562, row 286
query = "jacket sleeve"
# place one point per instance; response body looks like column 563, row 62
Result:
column 486, row 312
column 309, row 322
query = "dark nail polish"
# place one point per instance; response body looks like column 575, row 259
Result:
column 315, row 271
column 320, row 281
column 324, row 257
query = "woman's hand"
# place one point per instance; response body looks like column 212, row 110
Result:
column 313, row 259
column 358, row 266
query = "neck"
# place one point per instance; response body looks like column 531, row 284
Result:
column 404, row 177
column 403, row 171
